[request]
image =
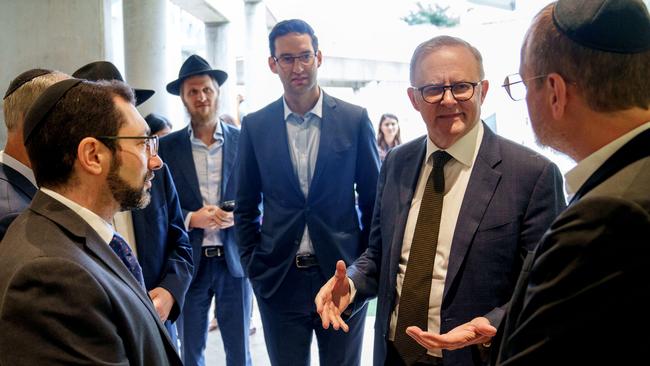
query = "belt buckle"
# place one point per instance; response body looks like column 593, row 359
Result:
column 210, row 252
column 299, row 263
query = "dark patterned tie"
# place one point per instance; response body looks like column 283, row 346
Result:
column 122, row 249
column 414, row 299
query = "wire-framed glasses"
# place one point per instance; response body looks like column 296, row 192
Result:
column 515, row 86
column 287, row 61
column 150, row 142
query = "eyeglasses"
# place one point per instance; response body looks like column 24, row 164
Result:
column 515, row 86
column 150, row 142
column 287, row 61
column 433, row 93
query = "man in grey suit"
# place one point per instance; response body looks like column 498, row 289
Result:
column 17, row 183
column 71, row 291
column 585, row 66
column 468, row 203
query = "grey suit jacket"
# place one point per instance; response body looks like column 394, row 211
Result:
column 512, row 197
column 582, row 298
column 67, row 299
column 16, row 191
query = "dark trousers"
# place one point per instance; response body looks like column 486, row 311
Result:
column 289, row 319
column 233, row 302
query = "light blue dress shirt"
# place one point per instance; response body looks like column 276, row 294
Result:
column 303, row 135
column 208, row 161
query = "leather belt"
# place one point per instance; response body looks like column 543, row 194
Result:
column 213, row 251
column 306, row 260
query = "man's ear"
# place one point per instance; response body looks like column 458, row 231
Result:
column 557, row 96
column 93, row 157
column 413, row 97
column 319, row 58
column 273, row 65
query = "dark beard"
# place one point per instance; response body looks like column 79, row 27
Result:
column 128, row 197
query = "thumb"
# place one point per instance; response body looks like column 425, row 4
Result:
column 341, row 272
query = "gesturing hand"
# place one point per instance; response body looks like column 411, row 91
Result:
column 478, row 330
column 333, row 298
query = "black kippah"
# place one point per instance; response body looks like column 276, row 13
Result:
column 23, row 78
column 621, row 26
column 44, row 104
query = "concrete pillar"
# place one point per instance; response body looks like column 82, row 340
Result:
column 147, row 52
column 54, row 34
column 220, row 39
column 261, row 86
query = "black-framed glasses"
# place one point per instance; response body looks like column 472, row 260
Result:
column 287, row 61
column 515, row 86
column 434, row 93
column 150, row 142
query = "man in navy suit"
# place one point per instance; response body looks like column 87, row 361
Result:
column 201, row 158
column 306, row 157
column 156, row 232
column 497, row 199
column 17, row 183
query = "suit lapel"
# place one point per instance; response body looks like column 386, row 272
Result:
column 329, row 133
column 279, row 146
column 229, row 156
column 188, row 170
column 407, row 175
column 82, row 232
column 480, row 189
column 19, row 181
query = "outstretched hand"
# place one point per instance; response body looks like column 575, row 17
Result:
column 477, row 331
column 333, row 298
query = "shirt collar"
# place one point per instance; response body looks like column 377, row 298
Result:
column 463, row 150
column 218, row 132
column 16, row 165
column 317, row 110
column 103, row 229
column 576, row 177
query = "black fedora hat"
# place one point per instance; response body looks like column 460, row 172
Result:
column 195, row 65
column 104, row 70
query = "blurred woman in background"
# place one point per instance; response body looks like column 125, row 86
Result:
column 387, row 134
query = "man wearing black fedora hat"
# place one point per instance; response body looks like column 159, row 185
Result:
column 201, row 158
column 156, row 232
column 17, row 182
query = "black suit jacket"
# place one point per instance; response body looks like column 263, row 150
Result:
column 582, row 298
column 512, row 196
column 67, row 299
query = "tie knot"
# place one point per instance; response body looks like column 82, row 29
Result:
column 440, row 158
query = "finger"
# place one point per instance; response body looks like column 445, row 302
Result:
column 340, row 273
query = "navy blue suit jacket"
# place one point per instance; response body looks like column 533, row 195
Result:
column 163, row 247
column 176, row 151
column 512, row 197
column 347, row 157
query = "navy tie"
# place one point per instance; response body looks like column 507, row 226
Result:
column 122, row 249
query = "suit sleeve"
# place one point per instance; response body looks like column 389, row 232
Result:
column 364, row 273
column 249, row 197
column 56, row 313
column 367, row 171
column 179, row 266
column 545, row 204
column 588, row 286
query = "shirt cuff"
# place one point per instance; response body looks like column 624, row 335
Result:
column 353, row 290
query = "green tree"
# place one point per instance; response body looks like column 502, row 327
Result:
column 436, row 15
